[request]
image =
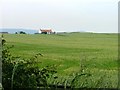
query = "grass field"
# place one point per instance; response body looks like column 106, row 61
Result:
column 98, row 52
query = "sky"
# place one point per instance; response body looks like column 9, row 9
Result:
column 99, row 16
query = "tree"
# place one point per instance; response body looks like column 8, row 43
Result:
column 22, row 32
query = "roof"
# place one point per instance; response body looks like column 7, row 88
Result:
column 46, row 30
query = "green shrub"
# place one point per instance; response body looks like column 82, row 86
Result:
column 20, row 73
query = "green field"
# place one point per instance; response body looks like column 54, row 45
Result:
column 98, row 52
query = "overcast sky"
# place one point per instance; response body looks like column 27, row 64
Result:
column 60, row 15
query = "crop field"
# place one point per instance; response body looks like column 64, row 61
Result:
column 95, row 53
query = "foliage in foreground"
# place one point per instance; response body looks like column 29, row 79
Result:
column 21, row 73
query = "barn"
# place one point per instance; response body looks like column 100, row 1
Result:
column 46, row 31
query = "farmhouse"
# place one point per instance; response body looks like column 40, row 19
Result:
column 46, row 31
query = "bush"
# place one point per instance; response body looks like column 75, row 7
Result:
column 20, row 73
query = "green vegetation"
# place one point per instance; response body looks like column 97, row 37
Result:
column 20, row 73
column 76, row 55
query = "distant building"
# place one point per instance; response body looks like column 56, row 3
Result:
column 46, row 31
column 3, row 32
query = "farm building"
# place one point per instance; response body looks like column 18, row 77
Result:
column 46, row 31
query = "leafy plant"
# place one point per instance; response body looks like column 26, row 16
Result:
column 82, row 78
column 18, row 72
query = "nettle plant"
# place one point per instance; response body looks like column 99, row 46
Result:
column 18, row 72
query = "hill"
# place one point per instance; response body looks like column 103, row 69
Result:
column 13, row 30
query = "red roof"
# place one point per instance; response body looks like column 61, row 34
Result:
column 46, row 30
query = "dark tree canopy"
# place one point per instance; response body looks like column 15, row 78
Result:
column 22, row 32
